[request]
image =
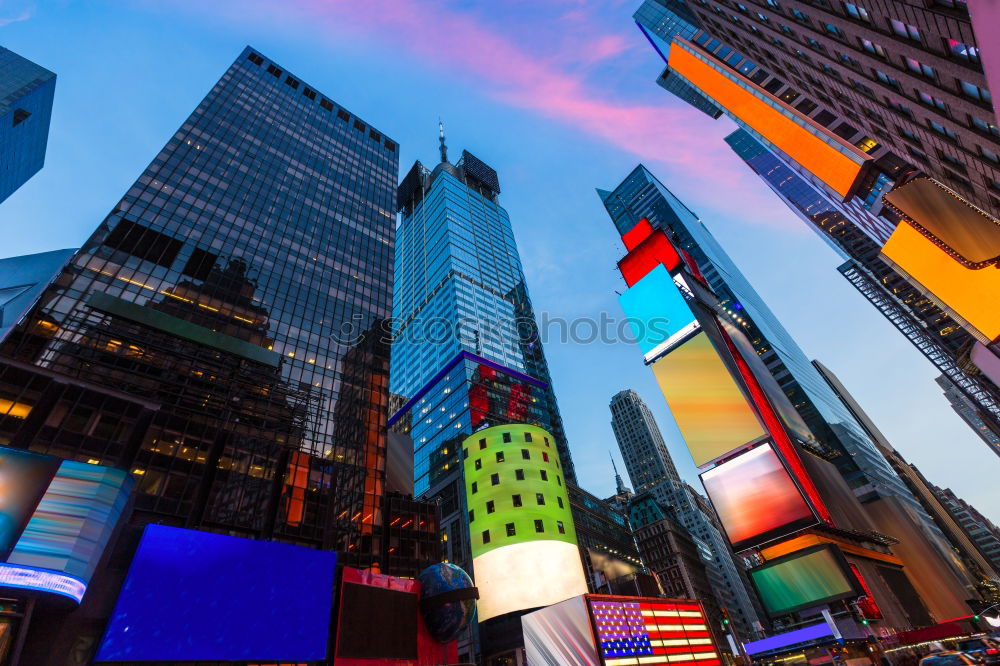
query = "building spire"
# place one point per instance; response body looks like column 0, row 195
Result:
column 619, row 483
column 444, row 148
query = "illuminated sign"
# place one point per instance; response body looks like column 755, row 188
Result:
column 654, row 251
column 949, row 249
column 804, row 578
column 651, row 631
column 712, row 413
column 803, row 636
column 657, row 312
column 523, row 542
column 198, row 596
column 41, row 580
column 829, row 158
column 24, row 477
column 756, row 498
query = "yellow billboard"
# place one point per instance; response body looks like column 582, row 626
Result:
column 712, row 413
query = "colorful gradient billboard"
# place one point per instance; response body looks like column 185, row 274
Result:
column 756, row 498
column 711, row 411
column 805, row 578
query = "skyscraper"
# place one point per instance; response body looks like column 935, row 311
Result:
column 645, row 453
column 977, row 527
column 22, row 281
column 199, row 337
column 970, row 413
column 26, row 92
column 653, row 473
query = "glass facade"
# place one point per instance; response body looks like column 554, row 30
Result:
column 22, row 281
column 641, row 195
column 208, row 335
column 26, row 92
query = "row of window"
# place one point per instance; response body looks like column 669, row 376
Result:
column 539, row 528
column 518, row 475
column 525, row 454
column 517, row 503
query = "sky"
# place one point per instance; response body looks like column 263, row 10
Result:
column 559, row 96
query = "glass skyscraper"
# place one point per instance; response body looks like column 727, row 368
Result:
column 641, row 195
column 208, row 335
column 26, row 92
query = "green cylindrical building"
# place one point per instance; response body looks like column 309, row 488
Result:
column 524, row 550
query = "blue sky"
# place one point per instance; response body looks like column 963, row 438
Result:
column 557, row 95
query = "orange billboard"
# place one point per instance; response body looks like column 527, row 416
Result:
column 829, row 158
column 711, row 411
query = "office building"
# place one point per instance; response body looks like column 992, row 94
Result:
column 652, row 471
column 977, row 527
column 22, row 281
column 645, row 453
column 197, row 339
column 26, row 92
column 849, row 231
column 819, row 485
column 969, row 412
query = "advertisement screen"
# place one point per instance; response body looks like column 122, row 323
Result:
column 639, row 630
column 805, row 578
column 197, row 596
column 756, row 498
column 656, row 310
column 24, row 478
column 711, row 411
column 394, row 612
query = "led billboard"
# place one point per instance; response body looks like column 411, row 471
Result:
column 832, row 160
column 711, row 411
column 24, row 477
column 756, row 498
column 523, row 542
column 802, row 579
column 639, row 630
column 656, row 311
column 193, row 596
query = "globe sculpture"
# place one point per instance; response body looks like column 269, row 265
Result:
column 447, row 600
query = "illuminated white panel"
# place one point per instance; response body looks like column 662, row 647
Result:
column 527, row 575
column 27, row 578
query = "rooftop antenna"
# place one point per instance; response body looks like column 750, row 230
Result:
column 618, row 477
column 444, row 148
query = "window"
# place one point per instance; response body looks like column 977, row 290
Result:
column 479, row 463
column 475, row 487
column 886, row 79
column 540, row 499
column 546, row 441
column 558, row 480
column 510, row 530
column 482, row 444
column 465, row 453
column 905, row 29
column 486, row 536
column 983, row 126
column 326, row 104
column 292, row 81
column 527, row 436
column 813, row 44
column 862, row 88
column 857, row 13
column 375, row 136
column 490, row 507
column 867, row 144
column 909, row 136
column 761, row 17
column 559, row 502
column 274, row 71
column 975, row 92
column 472, row 515
column 255, row 59
column 544, row 475
column 499, row 456
column 990, row 155
column 898, row 106
column 952, row 160
column 506, row 437
column 494, row 479
column 799, row 16
column 545, row 456
column 343, row 115
column 20, row 115
column 834, row 30
column 516, row 499
column 526, row 454
column 918, row 67
column 969, row 54
column 200, row 265
column 873, row 48
column 390, row 145
column 519, row 474
column 930, row 100
column 560, row 527
column 538, row 526
column 919, row 154
column 848, row 60
column 309, row 92
column 960, row 5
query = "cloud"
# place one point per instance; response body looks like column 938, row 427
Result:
column 23, row 16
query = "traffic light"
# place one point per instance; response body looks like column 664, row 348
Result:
column 725, row 617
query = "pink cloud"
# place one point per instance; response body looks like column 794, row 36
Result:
column 23, row 16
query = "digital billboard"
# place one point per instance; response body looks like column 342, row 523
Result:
column 24, row 477
column 656, row 311
column 193, row 596
column 802, row 579
column 523, row 541
column 639, row 630
column 756, row 498
column 712, row 413
column 832, row 160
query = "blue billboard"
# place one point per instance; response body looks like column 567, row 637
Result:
column 656, row 311
column 197, row 596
